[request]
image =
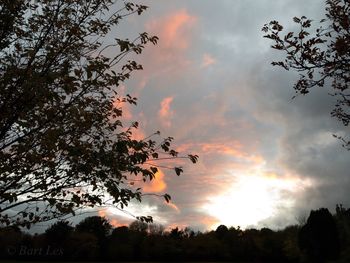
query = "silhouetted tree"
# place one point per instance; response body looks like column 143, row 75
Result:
column 319, row 237
column 290, row 243
column 119, row 245
column 59, row 231
column 138, row 226
column 221, row 231
column 342, row 217
column 155, row 229
column 321, row 58
column 120, row 233
column 10, row 238
column 83, row 246
column 96, row 225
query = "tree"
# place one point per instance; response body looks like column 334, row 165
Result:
column 96, row 225
column 63, row 145
column 221, row 231
column 342, row 217
column 319, row 237
column 156, row 229
column 120, row 233
column 138, row 226
column 322, row 58
column 59, row 231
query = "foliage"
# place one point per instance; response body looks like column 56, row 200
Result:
column 96, row 225
column 342, row 218
column 138, row 226
column 318, row 238
column 63, row 145
column 224, row 244
column 322, row 57
column 59, row 231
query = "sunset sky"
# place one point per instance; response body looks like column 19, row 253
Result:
column 265, row 159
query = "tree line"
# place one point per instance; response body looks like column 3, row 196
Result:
column 323, row 237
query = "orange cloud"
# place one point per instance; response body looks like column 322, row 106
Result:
column 157, row 184
column 233, row 149
column 102, row 213
column 138, row 134
column 208, row 60
column 173, row 206
column 165, row 113
column 165, row 107
column 173, row 30
column 210, row 222
column 114, row 222
column 194, row 220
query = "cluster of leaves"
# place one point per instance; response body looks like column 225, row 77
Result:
column 63, row 145
column 95, row 239
column 322, row 57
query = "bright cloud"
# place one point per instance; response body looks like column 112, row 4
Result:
column 175, row 32
column 174, row 29
column 165, row 113
column 173, row 206
column 208, row 60
column 253, row 198
column 157, row 185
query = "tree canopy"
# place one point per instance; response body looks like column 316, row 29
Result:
column 63, row 144
column 323, row 237
column 322, row 58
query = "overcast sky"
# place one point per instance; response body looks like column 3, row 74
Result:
column 265, row 159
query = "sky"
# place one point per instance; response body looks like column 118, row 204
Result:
column 265, row 159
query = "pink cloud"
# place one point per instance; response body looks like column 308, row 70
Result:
column 157, row 185
column 174, row 29
column 234, row 149
column 175, row 32
column 165, row 113
column 208, row 60
column 111, row 218
column 173, row 206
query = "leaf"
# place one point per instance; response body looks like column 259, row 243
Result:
column 178, row 170
column 296, row 19
column 193, row 158
column 167, row 198
column 154, row 169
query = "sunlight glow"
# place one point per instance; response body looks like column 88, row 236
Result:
column 251, row 199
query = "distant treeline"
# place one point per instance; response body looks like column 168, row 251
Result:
column 324, row 237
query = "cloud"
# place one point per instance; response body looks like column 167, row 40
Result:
column 173, row 206
column 165, row 113
column 208, row 60
column 173, row 29
column 157, row 185
column 305, row 143
column 238, row 116
column 113, row 220
column 175, row 32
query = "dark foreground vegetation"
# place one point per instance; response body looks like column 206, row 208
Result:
column 323, row 238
